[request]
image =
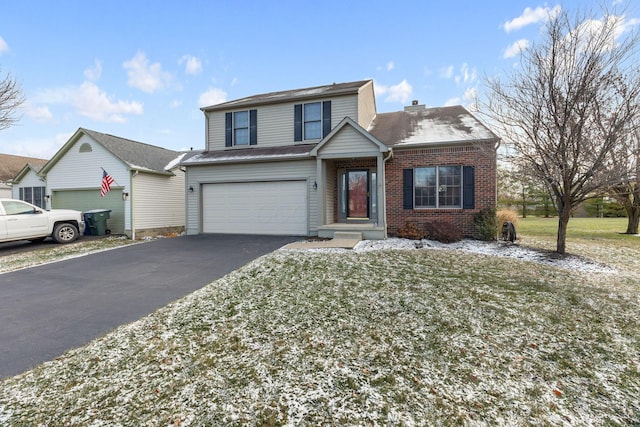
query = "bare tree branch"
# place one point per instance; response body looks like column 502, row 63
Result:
column 566, row 109
column 11, row 99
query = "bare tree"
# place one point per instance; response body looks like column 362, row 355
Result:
column 627, row 190
column 569, row 104
column 10, row 100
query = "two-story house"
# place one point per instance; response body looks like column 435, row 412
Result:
column 318, row 160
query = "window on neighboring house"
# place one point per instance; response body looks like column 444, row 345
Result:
column 443, row 187
column 241, row 128
column 312, row 120
column 33, row 195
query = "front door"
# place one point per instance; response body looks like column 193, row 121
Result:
column 357, row 194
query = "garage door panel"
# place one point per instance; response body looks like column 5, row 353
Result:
column 275, row 207
column 84, row 200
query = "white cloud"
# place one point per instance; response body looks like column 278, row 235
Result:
column 390, row 65
column 471, row 94
column 467, row 75
column 40, row 114
column 89, row 101
column 447, row 72
column 211, row 97
column 531, row 16
column 516, row 48
column 452, row 101
column 193, row 65
column 395, row 93
column 234, row 81
column 145, row 76
column 4, row 47
column 176, row 103
column 94, row 73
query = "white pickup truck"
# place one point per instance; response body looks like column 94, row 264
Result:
column 23, row 221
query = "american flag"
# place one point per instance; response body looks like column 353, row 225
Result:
column 106, row 183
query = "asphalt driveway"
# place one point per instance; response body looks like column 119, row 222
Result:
column 49, row 309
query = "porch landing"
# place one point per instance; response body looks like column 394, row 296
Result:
column 368, row 231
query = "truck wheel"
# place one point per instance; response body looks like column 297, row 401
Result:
column 65, row 233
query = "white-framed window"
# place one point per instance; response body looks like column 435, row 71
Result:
column 33, row 195
column 438, row 187
column 312, row 114
column 312, row 121
column 241, row 128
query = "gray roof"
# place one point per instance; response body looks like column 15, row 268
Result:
column 291, row 95
column 254, row 154
column 429, row 126
column 137, row 155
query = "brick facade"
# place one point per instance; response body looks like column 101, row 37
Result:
column 481, row 157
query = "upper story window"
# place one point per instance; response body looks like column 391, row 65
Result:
column 241, row 128
column 312, row 120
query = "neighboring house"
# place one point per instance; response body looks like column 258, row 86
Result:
column 10, row 166
column 29, row 186
column 319, row 160
column 147, row 196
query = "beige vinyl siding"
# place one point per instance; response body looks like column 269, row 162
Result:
column 348, row 141
column 276, row 122
column 158, row 200
column 268, row 171
column 366, row 105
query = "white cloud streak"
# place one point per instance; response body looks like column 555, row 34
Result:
column 94, row 73
column 400, row 92
column 192, row 64
column 516, row 48
column 531, row 16
column 4, row 47
column 212, row 96
column 145, row 76
column 90, row 101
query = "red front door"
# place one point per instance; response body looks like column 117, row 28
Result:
column 358, row 194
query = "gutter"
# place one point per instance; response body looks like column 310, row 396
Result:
column 132, row 207
column 384, row 188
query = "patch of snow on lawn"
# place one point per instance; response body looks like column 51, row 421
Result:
column 498, row 248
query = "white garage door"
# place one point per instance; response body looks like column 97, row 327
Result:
column 275, row 207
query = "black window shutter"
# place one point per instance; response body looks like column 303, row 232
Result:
column 228, row 130
column 253, row 127
column 297, row 118
column 407, row 188
column 468, row 187
column 326, row 118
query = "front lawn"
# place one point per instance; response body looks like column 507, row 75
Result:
column 388, row 337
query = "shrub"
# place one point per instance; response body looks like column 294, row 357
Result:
column 507, row 215
column 442, row 231
column 486, row 224
column 411, row 231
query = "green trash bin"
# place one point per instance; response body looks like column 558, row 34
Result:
column 96, row 220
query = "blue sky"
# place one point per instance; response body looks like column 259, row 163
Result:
column 142, row 69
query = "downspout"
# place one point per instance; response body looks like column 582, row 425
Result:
column 384, row 188
column 132, row 207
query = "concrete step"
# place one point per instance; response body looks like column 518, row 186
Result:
column 350, row 235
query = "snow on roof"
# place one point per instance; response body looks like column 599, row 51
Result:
column 429, row 126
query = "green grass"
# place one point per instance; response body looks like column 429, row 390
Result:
column 578, row 228
column 391, row 337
